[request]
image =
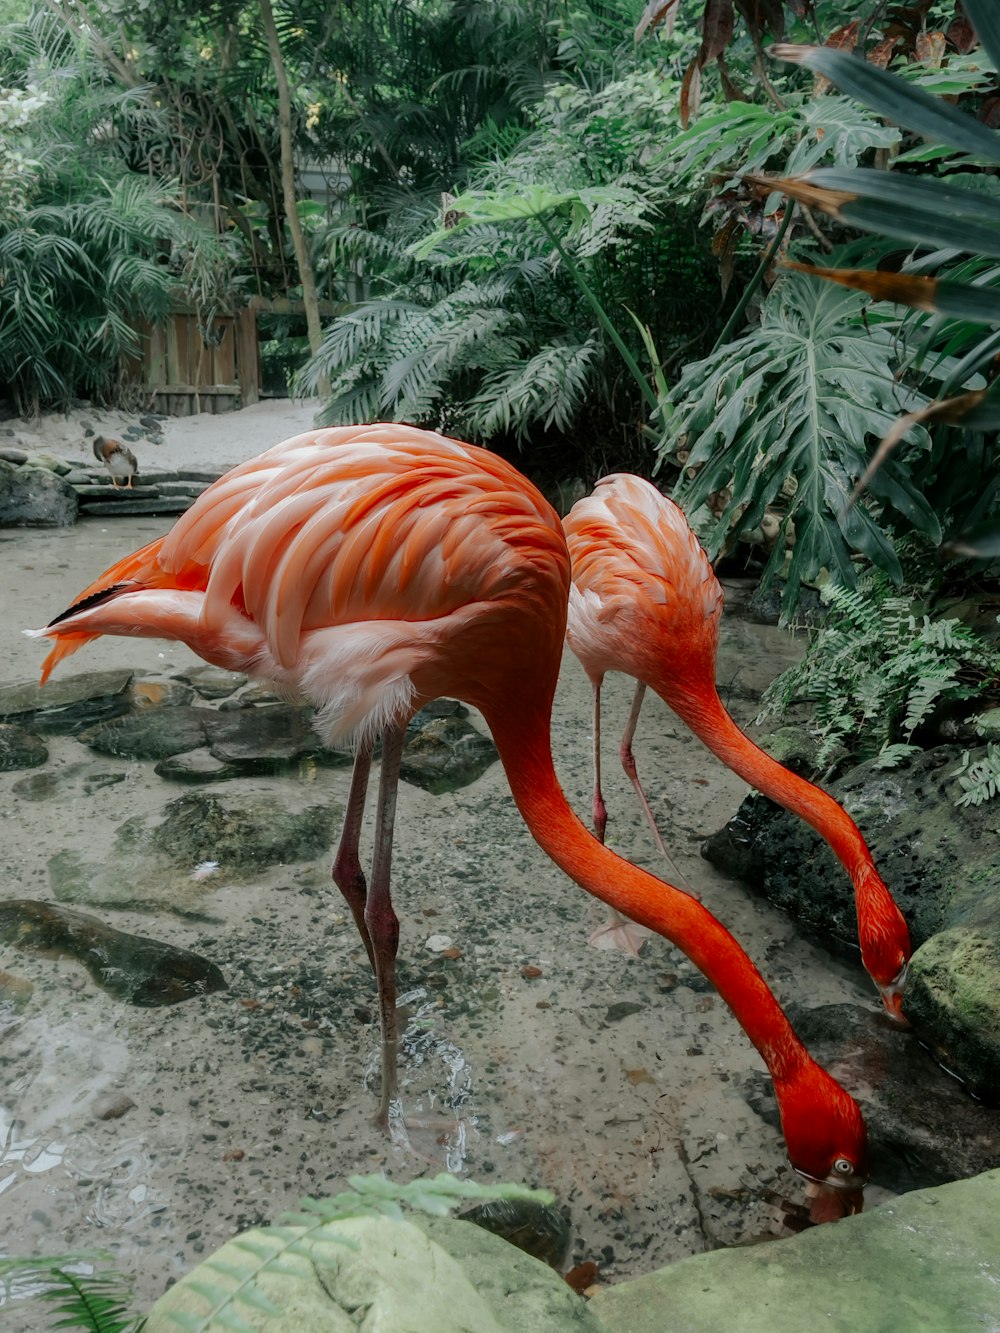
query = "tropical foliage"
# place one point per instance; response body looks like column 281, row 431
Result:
column 878, row 667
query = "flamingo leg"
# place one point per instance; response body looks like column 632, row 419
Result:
column 600, row 810
column 380, row 920
column 628, row 764
column 617, row 932
column 347, row 872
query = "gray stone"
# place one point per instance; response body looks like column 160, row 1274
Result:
column 923, row 1127
column 150, row 692
column 154, row 733
column 20, row 748
column 260, row 737
column 67, row 705
column 444, row 754
column 432, row 1275
column 11, row 455
column 243, row 834
column 197, row 766
column 133, row 968
column 953, row 1002
column 51, row 463
column 212, row 682
column 33, row 497
column 928, row 1260
column 941, row 862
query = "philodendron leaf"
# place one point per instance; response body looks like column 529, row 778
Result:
column 786, row 417
column 895, row 99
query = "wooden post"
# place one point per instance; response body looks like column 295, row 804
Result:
column 247, row 356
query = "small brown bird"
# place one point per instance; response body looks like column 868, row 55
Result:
column 119, row 460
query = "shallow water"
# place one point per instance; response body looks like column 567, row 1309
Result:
column 615, row 1082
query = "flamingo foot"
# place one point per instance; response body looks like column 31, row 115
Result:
column 621, row 934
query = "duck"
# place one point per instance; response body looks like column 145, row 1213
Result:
column 118, row 459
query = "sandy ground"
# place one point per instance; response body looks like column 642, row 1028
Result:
column 614, row 1082
column 199, row 442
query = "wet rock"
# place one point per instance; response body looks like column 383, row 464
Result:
column 154, row 733
column 83, row 779
column 263, row 740
column 20, row 748
column 152, row 693
column 33, row 497
column 927, row 1260
column 536, row 1228
column 212, row 682
column 67, row 705
column 427, row 1275
column 923, row 1125
column 12, row 455
column 197, row 766
column 113, row 1106
column 242, row 833
column 940, row 860
column 953, row 1002
column 133, row 968
column 942, row 863
column 15, row 993
column 444, row 754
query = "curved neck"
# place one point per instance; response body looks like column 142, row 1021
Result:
column 704, row 712
column 525, row 750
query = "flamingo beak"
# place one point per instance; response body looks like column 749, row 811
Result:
column 829, row 1203
column 892, row 998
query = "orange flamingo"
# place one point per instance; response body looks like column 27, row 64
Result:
column 372, row 569
column 645, row 601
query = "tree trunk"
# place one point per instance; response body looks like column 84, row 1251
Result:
column 288, row 179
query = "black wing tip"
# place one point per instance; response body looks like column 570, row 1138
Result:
column 94, row 599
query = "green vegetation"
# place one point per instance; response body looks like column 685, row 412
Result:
column 88, row 1295
column 879, row 667
column 565, row 231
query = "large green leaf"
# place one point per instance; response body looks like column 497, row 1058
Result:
column 984, row 15
column 895, row 99
column 804, row 397
column 916, row 209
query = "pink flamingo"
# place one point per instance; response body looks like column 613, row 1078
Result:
column 645, row 601
column 372, row 569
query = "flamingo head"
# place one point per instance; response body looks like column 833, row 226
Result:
column 892, row 997
column 826, row 1140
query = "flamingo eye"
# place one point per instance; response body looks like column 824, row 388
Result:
column 843, row 1167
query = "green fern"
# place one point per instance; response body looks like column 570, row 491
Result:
column 979, row 778
column 96, row 1301
column 876, row 669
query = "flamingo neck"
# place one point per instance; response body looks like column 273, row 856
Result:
column 525, row 751
column 879, row 919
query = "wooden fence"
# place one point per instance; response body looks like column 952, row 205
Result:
column 186, row 372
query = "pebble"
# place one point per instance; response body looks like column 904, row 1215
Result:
column 438, row 943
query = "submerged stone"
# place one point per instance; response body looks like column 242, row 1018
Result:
column 152, row 693
column 252, row 736
column 196, row 766
column 133, row 968
column 66, row 706
column 212, row 682
column 154, row 733
column 20, row 748
column 241, row 833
